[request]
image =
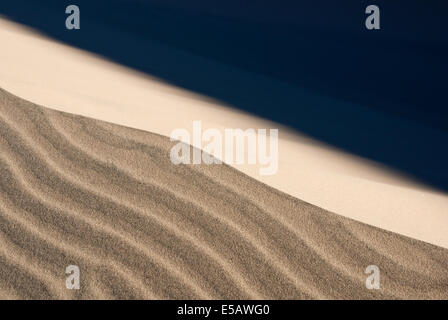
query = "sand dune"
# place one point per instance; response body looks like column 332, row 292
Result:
column 71, row 80
column 107, row 198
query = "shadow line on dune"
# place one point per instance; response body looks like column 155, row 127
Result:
column 378, row 95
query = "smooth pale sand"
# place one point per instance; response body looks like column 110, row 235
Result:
column 108, row 199
column 57, row 76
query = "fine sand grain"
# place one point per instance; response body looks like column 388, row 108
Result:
column 107, row 198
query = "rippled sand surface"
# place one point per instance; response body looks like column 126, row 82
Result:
column 78, row 191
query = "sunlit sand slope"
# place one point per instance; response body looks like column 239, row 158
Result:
column 57, row 76
column 77, row 191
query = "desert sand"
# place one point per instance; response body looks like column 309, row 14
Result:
column 107, row 198
column 57, row 76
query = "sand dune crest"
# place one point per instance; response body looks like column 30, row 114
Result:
column 107, row 198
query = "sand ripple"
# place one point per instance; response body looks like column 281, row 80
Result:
column 107, row 198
